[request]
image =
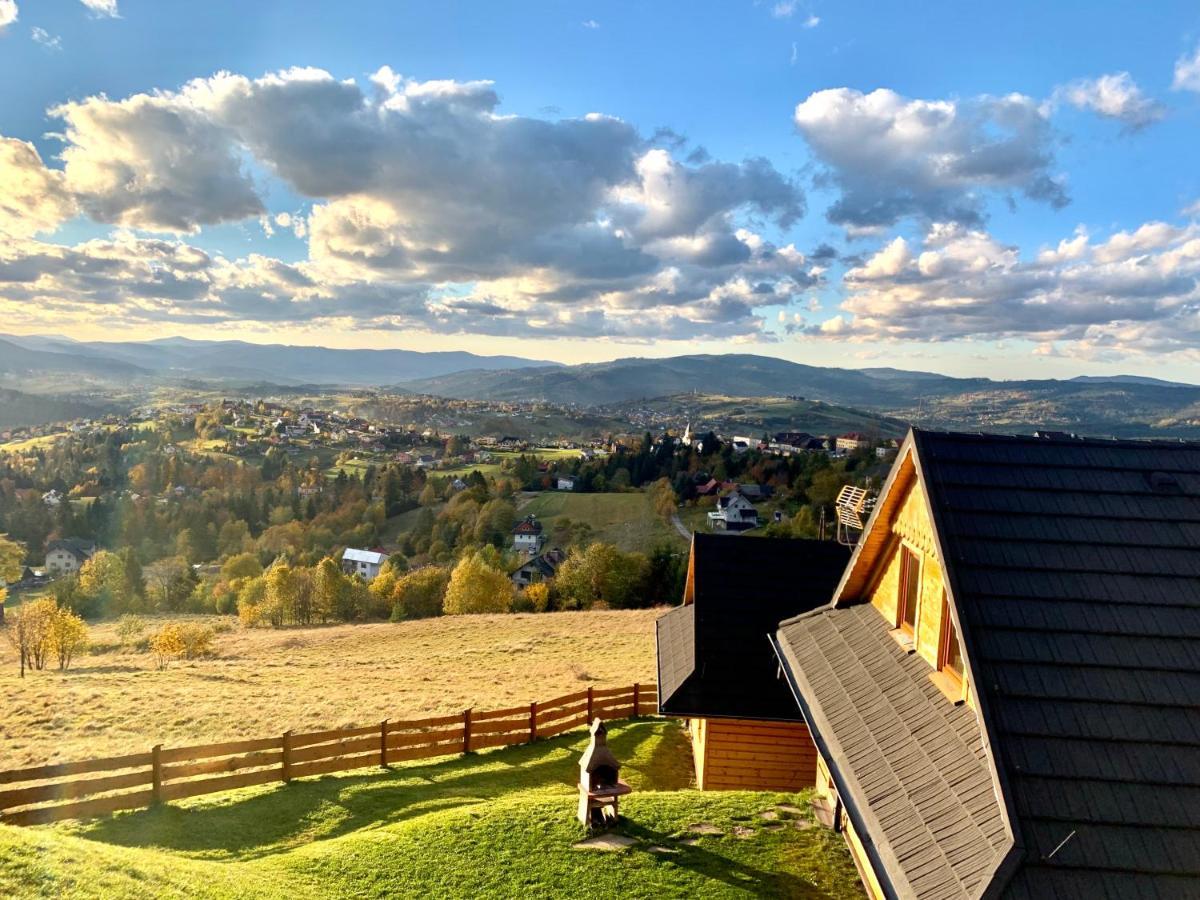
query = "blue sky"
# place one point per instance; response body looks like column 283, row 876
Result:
column 1002, row 189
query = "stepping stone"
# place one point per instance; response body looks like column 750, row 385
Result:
column 770, row 815
column 609, row 843
column 802, row 824
column 690, row 842
column 742, row 832
column 668, row 850
column 704, row 828
column 773, row 826
column 786, row 809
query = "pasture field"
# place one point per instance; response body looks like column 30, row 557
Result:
column 262, row 682
column 495, row 824
column 627, row 520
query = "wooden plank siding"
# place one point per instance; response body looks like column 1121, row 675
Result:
column 752, row 755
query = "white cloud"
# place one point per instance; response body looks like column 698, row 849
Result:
column 591, row 23
column 424, row 191
column 34, row 198
column 1187, row 72
column 1136, row 292
column 812, row 21
column 101, row 7
column 784, row 9
column 892, row 157
column 8, row 13
column 47, row 40
column 793, row 57
column 1113, row 96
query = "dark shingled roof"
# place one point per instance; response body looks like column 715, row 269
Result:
column 714, row 655
column 912, row 762
column 1075, row 567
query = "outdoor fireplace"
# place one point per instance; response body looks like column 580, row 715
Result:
column 600, row 786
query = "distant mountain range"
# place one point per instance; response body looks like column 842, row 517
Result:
column 239, row 361
column 1097, row 405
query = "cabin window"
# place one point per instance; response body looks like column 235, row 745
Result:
column 950, row 654
column 910, row 590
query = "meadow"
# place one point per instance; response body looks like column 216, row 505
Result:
column 494, row 824
column 261, row 682
column 627, row 520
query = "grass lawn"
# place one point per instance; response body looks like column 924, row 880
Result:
column 497, row 824
column 627, row 520
column 262, row 682
column 492, row 467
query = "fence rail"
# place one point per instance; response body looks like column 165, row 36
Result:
column 50, row 793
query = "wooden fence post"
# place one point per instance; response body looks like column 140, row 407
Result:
column 589, row 716
column 467, row 730
column 637, row 708
column 383, row 744
column 287, row 756
column 533, row 721
column 156, row 773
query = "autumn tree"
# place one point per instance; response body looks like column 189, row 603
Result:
column 169, row 583
column 28, row 631
column 66, row 636
column 421, row 593
column 167, row 644
column 12, row 555
column 601, row 574
column 476, row 587
column 102, row 580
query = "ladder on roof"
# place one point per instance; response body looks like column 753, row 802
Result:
column 853, row 507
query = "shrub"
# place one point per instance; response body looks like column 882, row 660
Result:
column 130, row 628
column 197, row 640
column 167, row 644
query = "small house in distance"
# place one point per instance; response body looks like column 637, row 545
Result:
column 366, row 563
column 538, row 569
column 67, row 556
column 715, row 666
column 733, row 513
column 567, row 482
column 528, row 537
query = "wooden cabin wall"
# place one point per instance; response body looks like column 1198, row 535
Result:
column 753, row 755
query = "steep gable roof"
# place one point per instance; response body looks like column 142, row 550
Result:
column 1072, row 568
column 1075, row 570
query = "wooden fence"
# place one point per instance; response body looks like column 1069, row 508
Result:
column 53, row 792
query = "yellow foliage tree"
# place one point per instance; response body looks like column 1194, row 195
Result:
column 475, row 587
column 67, row 635
column 11, row 554
column 538, row 596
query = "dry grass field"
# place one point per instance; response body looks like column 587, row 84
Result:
column 263, row 682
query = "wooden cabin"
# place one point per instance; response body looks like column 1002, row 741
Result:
column 715, row 666
column 1003, row 689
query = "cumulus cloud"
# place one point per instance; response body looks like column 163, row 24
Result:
column 1187, row 72
column 1113, row 96
column 101, row 7
column 424, row 190
column 33, row 197
column 8, row 13
column 1137, row 291
column 893, row 157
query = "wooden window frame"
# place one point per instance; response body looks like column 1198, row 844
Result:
column 949, row 682
column 908, row 552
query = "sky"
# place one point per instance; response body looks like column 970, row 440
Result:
column 1007, row 190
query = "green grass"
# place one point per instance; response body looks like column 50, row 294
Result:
column 496, row 824
column 627, row 520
